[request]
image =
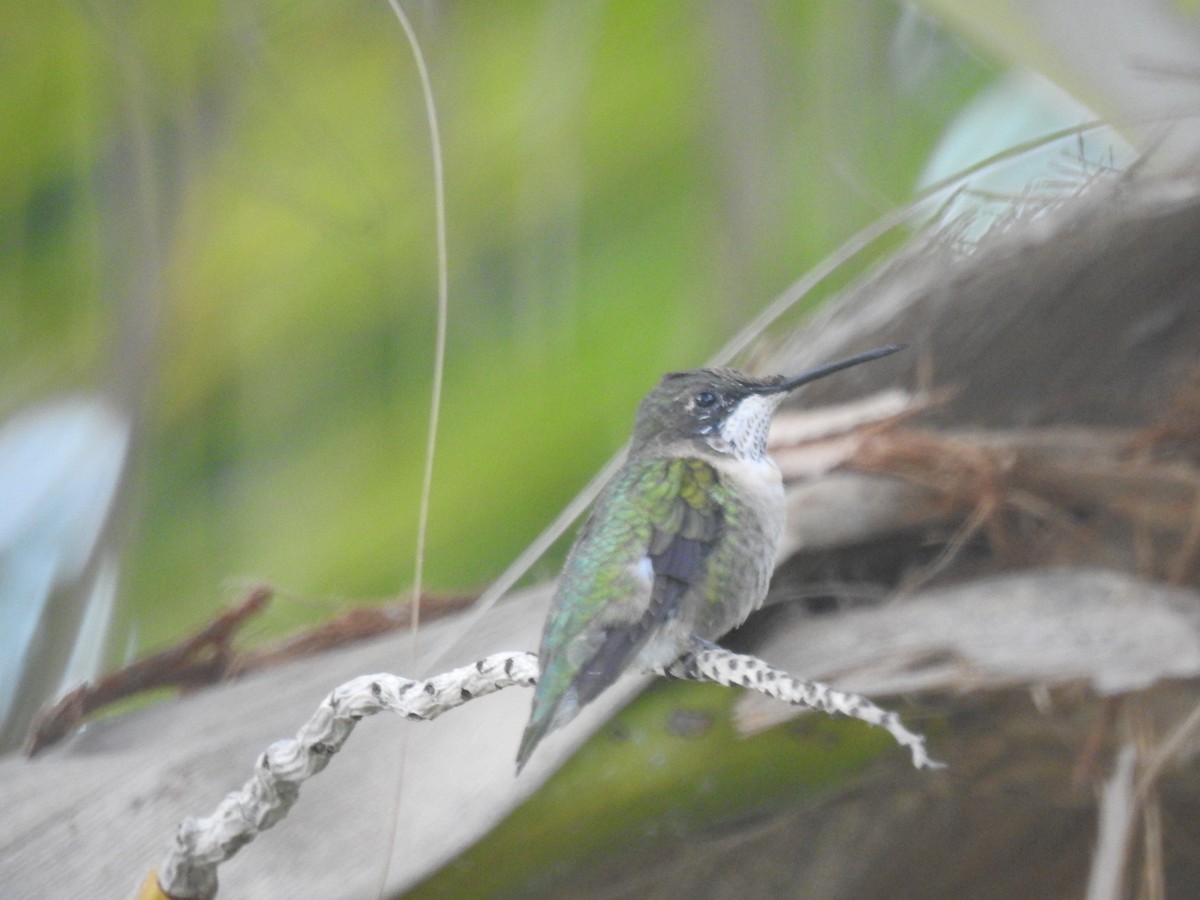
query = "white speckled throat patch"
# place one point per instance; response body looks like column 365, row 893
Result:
column 744, row 433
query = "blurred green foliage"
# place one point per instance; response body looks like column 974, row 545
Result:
column 222, row 212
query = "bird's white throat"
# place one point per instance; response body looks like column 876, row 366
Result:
column 744, row 432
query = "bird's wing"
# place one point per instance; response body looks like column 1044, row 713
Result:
column 645, row 544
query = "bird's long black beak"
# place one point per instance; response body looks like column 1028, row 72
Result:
column 790, row 384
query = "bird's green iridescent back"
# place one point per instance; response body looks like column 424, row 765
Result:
column 656, row 563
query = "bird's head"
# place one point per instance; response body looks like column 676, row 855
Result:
column 725, row 409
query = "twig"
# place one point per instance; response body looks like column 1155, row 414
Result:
column 357, row 624
column 208, row 657
column 1118, row 815
column 200, row 659
column 712, row 663
column 201, row 845
column 1167, row 751
column 189, row 871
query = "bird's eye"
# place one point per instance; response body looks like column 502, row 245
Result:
column 705, row 399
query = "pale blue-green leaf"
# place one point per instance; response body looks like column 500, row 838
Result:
column 60, row 463
column 1020, row 107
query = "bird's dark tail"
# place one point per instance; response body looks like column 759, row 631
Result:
column 562, row 692
column 551, row 709
column 540, row 724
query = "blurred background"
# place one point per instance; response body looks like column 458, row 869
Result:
column 217, row 272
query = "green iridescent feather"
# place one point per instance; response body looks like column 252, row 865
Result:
column 659, row 517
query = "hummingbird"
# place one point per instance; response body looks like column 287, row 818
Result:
column 680, row 544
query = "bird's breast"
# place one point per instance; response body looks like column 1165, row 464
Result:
column 759, row 486
column 740, row 570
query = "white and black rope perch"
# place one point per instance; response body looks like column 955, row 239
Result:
column 708, row 662
column 189, row 871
